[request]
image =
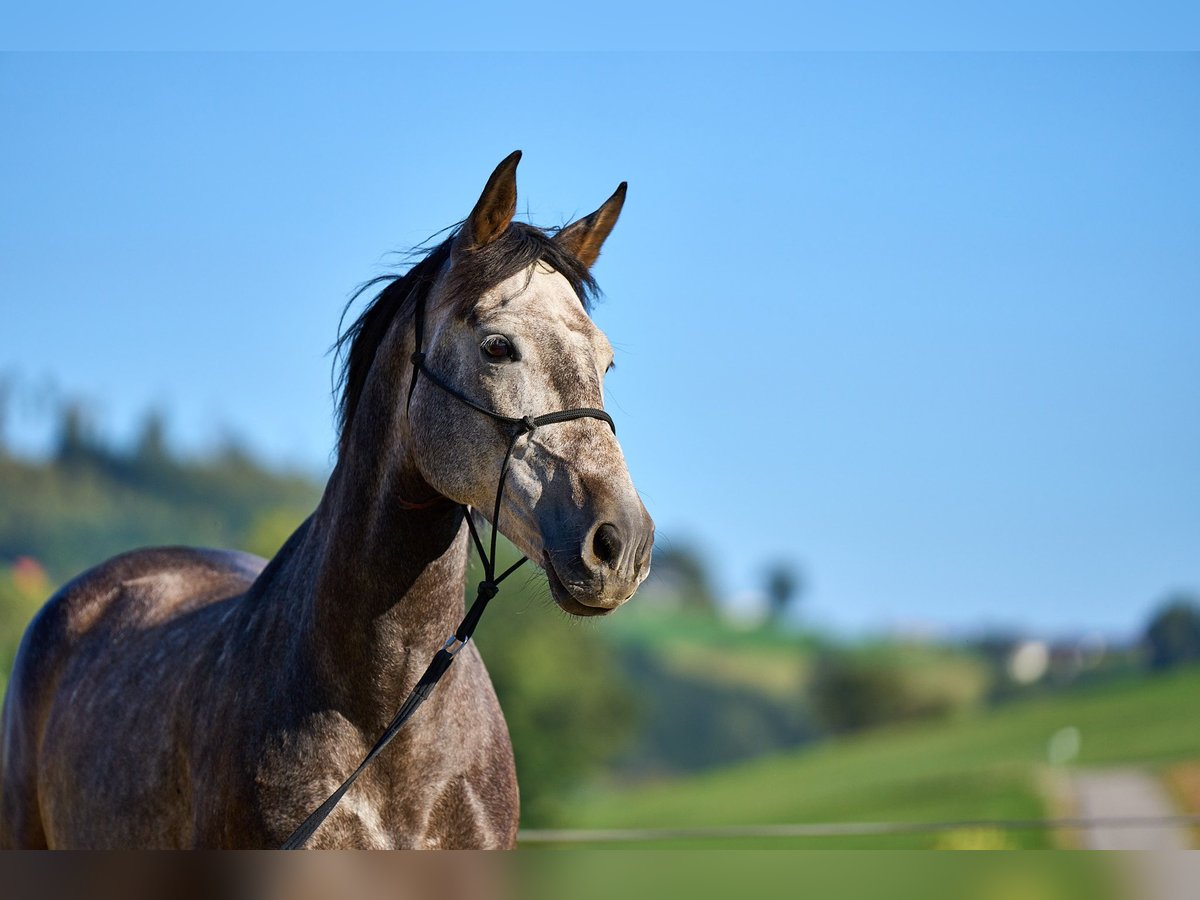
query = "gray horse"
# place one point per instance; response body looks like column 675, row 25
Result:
column 178, row 697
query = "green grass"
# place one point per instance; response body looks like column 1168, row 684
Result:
column 986, row 766
column 718, row 875
column 658, row 627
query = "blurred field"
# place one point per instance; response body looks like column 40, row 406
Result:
column 988, row 766
column 675, row 712
column 583, row 875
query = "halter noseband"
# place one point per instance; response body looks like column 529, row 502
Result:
column 484, row 592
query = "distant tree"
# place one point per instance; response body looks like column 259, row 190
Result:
column 681, row 572
column 76, row 440
column 151, row 448
column 1173, row 634
column 7, row 390
column 784, row 586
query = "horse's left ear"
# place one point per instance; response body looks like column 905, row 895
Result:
column 586, row 236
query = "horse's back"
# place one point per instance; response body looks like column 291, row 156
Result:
column 149, row 586
column 69, row 641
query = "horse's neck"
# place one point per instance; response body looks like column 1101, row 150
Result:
column 384, row 582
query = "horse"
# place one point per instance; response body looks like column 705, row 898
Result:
column 177, row 697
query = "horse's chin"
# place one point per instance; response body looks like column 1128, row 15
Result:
column 563, row 597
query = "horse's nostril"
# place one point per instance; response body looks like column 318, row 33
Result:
column 606, row 544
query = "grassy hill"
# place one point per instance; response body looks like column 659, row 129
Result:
column 716, row 692
column 988, row 766
column 76, row 510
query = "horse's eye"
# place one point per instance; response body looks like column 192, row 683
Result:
column 496, row 346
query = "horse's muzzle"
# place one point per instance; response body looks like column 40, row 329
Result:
column 606, row 569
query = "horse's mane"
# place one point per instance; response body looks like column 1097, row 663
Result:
column 474, row 272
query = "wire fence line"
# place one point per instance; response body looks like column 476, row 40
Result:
column 841, row 829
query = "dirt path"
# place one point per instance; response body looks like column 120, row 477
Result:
column 1126, row 793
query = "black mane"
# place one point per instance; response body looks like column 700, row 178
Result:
column 474, row 272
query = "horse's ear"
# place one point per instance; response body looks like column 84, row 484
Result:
column 586, row 236
column 496, row 207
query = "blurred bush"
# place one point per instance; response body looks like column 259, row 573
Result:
column 1173, row 634
column 688, row 722
column 24, row 587
column 269, row 529
column 853, row 690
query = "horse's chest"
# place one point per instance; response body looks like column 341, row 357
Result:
column 422, row 792
column 451, row 815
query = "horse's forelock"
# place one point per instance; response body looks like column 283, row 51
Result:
column 474, row 272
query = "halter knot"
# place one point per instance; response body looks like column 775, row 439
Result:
column 488, row 589
column 528, row 424
column 418, row 358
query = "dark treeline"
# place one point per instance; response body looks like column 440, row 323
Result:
column 91, row 499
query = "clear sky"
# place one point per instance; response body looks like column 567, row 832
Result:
column 927, row 324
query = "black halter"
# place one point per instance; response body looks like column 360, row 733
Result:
column 484, row 592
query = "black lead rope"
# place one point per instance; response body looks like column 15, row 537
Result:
column 484, row 592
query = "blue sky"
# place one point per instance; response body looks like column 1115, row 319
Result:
column 928, row 324
column 614, row 25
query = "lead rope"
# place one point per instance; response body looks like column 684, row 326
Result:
column 484, row 592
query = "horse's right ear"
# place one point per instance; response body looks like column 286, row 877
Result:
column 496, row 207
column 585, row 237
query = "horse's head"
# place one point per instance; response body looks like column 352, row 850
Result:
column 506, row 325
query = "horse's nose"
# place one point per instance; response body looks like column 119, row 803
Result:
column 607, row 545
column 618, row 552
